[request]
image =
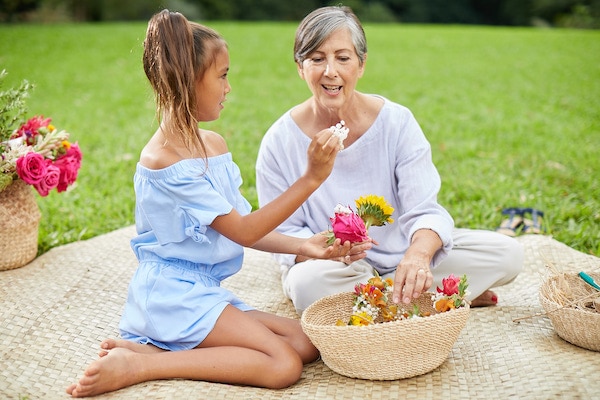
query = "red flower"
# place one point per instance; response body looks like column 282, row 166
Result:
column 31, row 168
column 68, row 164
column 49, row 181
column 450, row 285
column 349, row 227
column 30, row 129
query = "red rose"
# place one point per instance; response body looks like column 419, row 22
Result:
column 69, row 165
column 49, row 181
column 450, row 285
column 349, row 227
column 31, row 168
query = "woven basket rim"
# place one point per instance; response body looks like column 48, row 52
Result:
column 554, row 277
column 419, row 344
column 306, row 314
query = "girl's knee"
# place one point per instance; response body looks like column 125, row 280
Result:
column 284, row 372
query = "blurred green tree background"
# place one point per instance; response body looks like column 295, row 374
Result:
column 583, row 14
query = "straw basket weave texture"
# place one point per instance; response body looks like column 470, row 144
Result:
column 567, row 300
column 382, row 351
column 19, row 222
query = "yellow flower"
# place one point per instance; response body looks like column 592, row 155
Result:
column 359, row 319
column 389, row 313
column 374, row 210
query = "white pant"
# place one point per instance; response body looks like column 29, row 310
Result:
column 489, row 259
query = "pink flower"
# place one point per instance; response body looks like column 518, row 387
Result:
column 30, row 129
column 49, row 181
column 349, row 227
column 450, row 285
column 69, row 165
column 31, row 168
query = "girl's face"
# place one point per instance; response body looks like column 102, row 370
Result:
column 212, row 89
column 332, row 71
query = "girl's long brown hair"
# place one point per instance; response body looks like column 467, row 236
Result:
column 177, row 52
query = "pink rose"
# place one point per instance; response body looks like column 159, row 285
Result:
column 68, row 165
column 31, row 168
column 49, row 181
column 450, row 285
column 349, row 227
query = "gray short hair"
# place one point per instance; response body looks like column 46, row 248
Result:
column 317, row 26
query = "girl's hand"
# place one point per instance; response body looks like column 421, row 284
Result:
column 321, row 155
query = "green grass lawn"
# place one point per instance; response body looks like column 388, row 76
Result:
column 512, row 114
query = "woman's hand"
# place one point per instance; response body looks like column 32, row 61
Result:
column 321, row 155
column 413, row 274
column 412, row 278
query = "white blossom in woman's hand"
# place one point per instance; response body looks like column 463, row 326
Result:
column 340, row 131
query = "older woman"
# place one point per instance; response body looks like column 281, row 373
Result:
column 386, row 154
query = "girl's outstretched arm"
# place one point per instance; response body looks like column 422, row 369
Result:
column 248, row 229
column 313, row 247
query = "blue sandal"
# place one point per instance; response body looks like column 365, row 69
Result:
column 513, row 225
column 534, row 225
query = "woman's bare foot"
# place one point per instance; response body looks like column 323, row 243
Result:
column 486, row 299
column 119, row 368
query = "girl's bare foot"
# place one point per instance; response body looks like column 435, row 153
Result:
column 486, row 299
column 119, row 368
column 108, row 344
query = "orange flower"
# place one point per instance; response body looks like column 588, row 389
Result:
column 375, row 296
column 444, row 304
column 377, row 282
column 389, row 313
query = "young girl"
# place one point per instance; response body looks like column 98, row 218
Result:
column 192, row 223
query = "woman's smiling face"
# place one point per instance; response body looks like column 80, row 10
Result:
column 332, row 70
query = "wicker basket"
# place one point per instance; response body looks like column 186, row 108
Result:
column 19, row 222
column 564, row 298
column 383, row 351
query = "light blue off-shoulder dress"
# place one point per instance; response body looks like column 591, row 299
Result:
column 175, row 297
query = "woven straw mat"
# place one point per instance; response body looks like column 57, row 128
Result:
column 55, row 311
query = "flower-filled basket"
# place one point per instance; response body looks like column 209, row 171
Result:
column 401, row 348
column 33, row 154
column 19, row 221
column 573, row 307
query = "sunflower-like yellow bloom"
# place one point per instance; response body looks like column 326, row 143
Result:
column 374, row 210
column 360, row 319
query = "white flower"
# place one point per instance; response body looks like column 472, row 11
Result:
column 15, row 142
column 340, row 131
column 341, row 209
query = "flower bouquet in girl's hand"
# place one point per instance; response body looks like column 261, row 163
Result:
column 348, row 225
column 36, row 152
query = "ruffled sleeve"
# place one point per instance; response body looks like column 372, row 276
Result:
column 179, row 204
